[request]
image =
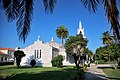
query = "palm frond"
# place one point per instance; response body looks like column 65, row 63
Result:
column 91, row 4
column 24, row 20
column 112, row 13
column 49, row 5
column 11, row 9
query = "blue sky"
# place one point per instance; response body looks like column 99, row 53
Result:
column 67, row 13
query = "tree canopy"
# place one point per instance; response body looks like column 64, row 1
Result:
column 106, row 53
column 18, row 56
column 62, row 32
column 107, row 38
column 75, row 46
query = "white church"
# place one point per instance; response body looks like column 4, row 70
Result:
column 44, row 52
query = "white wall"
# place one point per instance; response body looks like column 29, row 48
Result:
column 46, row 54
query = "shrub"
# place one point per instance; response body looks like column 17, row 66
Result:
column 6, row 63
column 57, row 61
column 33, row 62
column 101, row 62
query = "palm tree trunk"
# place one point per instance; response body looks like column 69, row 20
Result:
column 76, row 62
column 62, row 41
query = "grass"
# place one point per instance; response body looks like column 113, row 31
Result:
column 113, row 74
column 37, row 73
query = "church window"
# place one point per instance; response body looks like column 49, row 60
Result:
column 40, row 53
column 35, row 54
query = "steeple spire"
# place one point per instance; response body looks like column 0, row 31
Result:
column 80, row 25
column 80, row 30
column 52, row 39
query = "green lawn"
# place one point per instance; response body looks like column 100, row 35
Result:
column 113, row 74
column 37, row 73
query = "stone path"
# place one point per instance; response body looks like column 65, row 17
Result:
column 93, row 73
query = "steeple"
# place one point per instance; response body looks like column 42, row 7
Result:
column 80, row 25
column 52, row 39
column 80, row 30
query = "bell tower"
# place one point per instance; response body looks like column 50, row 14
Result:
column 80, row 30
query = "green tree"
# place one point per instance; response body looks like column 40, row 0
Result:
column 111, row 11
column 103, row 53
column 115, row 52
column 108, row 53
column 107, row 39
column 18, row 56
column 62, row 32
column 75, row 46
column 89, row 52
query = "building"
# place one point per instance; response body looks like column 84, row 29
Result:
column 44, row 52
column 80, row 30
column 6, row 54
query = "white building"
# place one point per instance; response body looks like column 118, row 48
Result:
column 6, row 54
column 44, row 52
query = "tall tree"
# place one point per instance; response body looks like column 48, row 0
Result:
column 18, row 56
column 75, row 46
column 62, row 32
column 107, row 39
column 109, row 53
column 111, row 11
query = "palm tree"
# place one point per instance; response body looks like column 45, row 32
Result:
column 75, row 46
column 111, row 11
column 107, row 39
column 62, row 32
column 22, row 11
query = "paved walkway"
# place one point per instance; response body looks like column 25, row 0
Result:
column 93, row 73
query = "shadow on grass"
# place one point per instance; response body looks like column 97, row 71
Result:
column 103, row 67
column 44, row 75
column 9, row 67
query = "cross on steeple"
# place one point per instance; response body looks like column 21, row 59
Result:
column 38, row 38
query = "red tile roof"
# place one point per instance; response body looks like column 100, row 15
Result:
column 7, row 49
column 2, row 53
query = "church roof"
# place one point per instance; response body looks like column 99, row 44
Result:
column 2, row 53
column 7, row 49
column 54, row 44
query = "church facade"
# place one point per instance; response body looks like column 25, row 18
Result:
column 43, row 53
